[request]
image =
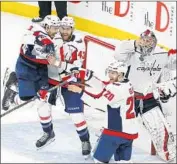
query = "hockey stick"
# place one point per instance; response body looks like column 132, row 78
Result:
column 34, row 98
column 101, row 110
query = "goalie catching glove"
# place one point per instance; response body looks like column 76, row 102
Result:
column 165, row 91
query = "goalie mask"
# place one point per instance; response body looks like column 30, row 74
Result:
column 148, row 42
column 116, row 71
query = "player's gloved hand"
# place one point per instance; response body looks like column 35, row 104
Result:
column 43, row 94
column 81, row 73
column 166, row 91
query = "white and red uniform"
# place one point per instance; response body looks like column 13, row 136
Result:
column 33, row 45
column 147, row 70
column 118, row 97
column 71, row 53
column 120, row 127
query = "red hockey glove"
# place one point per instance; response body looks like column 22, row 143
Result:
column 81, row 73
column 43, row 95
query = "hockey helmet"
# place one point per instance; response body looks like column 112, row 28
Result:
column 149, row 40
column 67, row 21
column 117, row 66
column 51, row 20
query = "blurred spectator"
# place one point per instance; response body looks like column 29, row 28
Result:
column 45, row 8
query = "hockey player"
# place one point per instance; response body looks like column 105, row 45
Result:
column 31, row 72
column 36, row 46
column 149, row 65
column 120, row 129
column 69, row 53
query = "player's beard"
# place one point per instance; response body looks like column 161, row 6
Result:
column 66, row 37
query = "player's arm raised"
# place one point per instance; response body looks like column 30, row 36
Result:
column 124, row 50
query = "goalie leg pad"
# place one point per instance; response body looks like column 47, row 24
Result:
column 158, row 129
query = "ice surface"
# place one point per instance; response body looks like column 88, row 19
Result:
column 21, row 129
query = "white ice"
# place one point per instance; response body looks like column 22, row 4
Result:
column 21, row 129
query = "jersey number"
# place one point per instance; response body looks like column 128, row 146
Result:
column 130, row 113
column 109, row 95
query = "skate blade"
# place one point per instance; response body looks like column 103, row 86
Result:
column 6, row 76
column 48, row 143
column 86, row 157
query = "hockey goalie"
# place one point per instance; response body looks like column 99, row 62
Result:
column 156, row 84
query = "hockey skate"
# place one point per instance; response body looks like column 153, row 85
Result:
column 10, row 89
column 86, row 149
column 45, row 140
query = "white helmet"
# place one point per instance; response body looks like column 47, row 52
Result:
column 51, row 20
column 151, row 42
column 118, row 66
column 67, row 21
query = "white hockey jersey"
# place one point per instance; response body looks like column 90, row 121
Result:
column 144, row 71
column 72, row 54
column 34, row 42
column 119, row 98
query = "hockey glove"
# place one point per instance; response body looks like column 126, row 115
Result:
column 81, row 73
column 167, row 90
column 43, row 94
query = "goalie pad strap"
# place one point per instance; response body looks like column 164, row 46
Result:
column 140, row 96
